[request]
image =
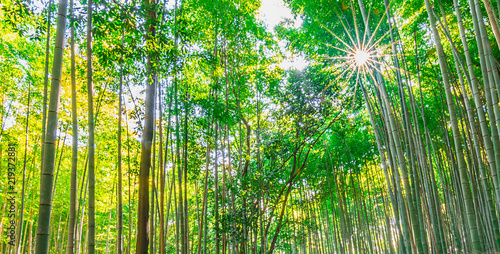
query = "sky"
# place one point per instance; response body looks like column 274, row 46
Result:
column 272, row 12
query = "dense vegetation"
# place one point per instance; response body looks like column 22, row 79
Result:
column 173, row 127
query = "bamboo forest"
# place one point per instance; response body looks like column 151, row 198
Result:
column 249, row 126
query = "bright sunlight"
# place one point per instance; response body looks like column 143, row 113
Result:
column 361, row 57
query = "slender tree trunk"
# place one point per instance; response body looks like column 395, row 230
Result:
column 21, row 210
column 119, row 212
column 216, row 193
column 185, row 166
column 129, row 247
column 46, row 181
column 493, row 21
column 74, row 158
column 46, row 82
column 147, row 137
column 162, row 175
column 152, row 213
column 91, row 145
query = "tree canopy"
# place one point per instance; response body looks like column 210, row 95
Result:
column 183, row 126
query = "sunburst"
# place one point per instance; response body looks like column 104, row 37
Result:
column 362, row 54
column 361, row 57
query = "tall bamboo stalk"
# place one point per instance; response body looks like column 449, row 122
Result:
column 46, row 181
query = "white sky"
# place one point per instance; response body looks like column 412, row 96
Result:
column 272, row 12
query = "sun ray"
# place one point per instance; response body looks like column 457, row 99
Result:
column 378, row 61
column 355, row 89
column 355, row 23
column 345, row 28
column 350, row 75
column 374, row 81
column 336, row 37
column 349, row 68
column 389, row 66
column 337, row 57
column 366, row 86
column 367, row 25
column 380, row 39
column 375, row 67
column 337, row 48
column 364, row 55
column 378, row 25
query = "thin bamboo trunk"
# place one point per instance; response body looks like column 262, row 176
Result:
column 119, row 208
column 21, row 210
column 46, row 181
column 147, row 137
column 45, row 83
column 91, row 145
column 74, row 159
